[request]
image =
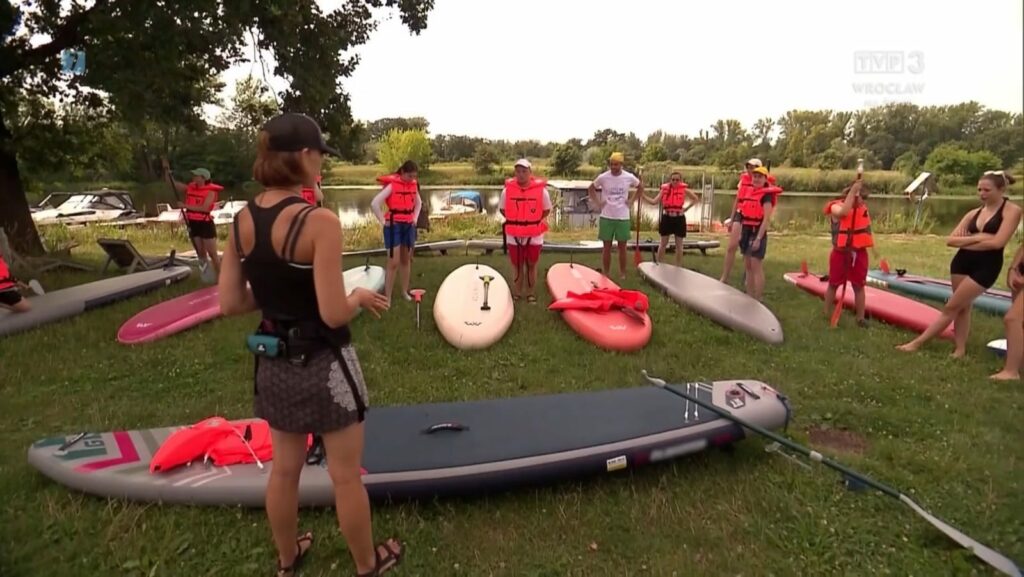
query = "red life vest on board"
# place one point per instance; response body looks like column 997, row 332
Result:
column 195, row 195
column 853, row 230
column 747, row 180
column 673, row 197
column 524, row 208
column 6, row 280
column 749, row 203
column 402, row 200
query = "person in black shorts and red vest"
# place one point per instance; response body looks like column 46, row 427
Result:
column 1014, row 320
column 307, row 379
column 200, row 200
column 981, row 236
column 672, row 222
column 10, row 297
column 755, row 209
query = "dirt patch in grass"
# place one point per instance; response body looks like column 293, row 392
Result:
column 838, row 440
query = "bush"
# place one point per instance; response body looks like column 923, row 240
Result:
column 484, row 159
column 951, row 159
column 397, row 146
column 566, row 159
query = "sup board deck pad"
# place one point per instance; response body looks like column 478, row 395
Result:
column 441, row 246
column 65, row 303
column 612, row 330
column 459, row 311
column 440, row 449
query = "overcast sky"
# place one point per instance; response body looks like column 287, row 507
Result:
column 553, row 70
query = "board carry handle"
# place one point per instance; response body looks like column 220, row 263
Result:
column 487, row 285
column 72, row 441
column 445, row 427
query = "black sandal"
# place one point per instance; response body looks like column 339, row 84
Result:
column 291, row 569
column 389, row 561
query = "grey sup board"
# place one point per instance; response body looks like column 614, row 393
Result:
column 717, row 301
column 441, row 246
column 440, row 449
column 64, row 303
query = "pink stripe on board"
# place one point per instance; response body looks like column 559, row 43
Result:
column 128, row 455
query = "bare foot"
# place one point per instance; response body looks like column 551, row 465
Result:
column 958, row 354
column 908, row 348
column 1005, row 376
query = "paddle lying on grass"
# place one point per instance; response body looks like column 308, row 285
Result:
column 992, row 557
column 417, row 295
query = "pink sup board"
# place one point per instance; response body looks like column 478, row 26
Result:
column 170, row 317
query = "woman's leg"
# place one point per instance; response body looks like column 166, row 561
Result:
column 405, row 268
column 661, row 248
column 730, row 251
column 961, row 323
column 963, row 296
column 210, row 246
column 679, row 251
column 282, row 500
column 394, row 257
column 755, row 277
column 1014, row 340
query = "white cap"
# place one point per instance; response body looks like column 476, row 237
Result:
column 524, row 163
column 755, row 162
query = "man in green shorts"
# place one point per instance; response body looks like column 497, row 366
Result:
column 614, row 203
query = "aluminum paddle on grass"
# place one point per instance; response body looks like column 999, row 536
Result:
column 994, row 558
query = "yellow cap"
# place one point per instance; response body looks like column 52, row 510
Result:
column 761, row 170
column 617, row 157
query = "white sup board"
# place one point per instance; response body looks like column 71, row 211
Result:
column 998, row 347
column 469, row 314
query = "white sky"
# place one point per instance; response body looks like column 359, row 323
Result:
column 557, row 69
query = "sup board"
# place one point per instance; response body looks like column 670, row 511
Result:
column 652, row 245
column 441, row 449
column 992, row 301
column 441, row 246
column 612, row 330
column 885, row 306
column 588, row 246
column 998, row 347
column 473, row 307
column 64, row 303
column 717, row 301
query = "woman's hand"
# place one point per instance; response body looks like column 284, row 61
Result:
column 372, row 301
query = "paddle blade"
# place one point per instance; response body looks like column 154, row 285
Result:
column 637, row 259
column 803, row 268
column 884, row 264
column 417, row 294
column 838, row 311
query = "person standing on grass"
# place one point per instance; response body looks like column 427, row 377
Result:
column 525, row 204
column 1014, row 321
column 614, row 204
column 289, row 253
column 672, row 221
column 402, row 197
column 200, row 200
column 735, row 226
column 851, row 239
column 981, row 237
column 755, row 210
column 10, row 298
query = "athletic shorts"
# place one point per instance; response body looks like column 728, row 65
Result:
column 528, row 253
column 609, row 229
column 747, row 236
column 672, row 225
column 204, row 229
column 400, row 234
column 10, row 297
column 848, row 266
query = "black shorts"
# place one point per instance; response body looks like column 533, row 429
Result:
column 672, row 224
column 983, row 267
column 747, row 237
column 204, row 229
column 10, row 297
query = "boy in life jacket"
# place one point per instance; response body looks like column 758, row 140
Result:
column 525, row 204
column 734, row 224
column 401, row 195
column 10, row 298
column 851, row 239
column 672, row 222
column 201, row 195
column 755, row 211
column 314, row 194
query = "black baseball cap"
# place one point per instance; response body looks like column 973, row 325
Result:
column 292, row 131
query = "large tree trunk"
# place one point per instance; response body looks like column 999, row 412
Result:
column 15, row 218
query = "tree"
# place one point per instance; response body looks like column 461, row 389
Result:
column 150, row 62
column 401, row 145
column 655, row 152
column 952, row 159
column 251, row 106
column 566, row 159
column 378, row 128
column 484, row 159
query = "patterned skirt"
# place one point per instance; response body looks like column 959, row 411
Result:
column 314, row 398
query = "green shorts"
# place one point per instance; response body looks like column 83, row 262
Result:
column 611, row 229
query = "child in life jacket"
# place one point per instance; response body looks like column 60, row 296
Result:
column 755, row 211
column 10, row 297
column 851, row 239
column 402, row 197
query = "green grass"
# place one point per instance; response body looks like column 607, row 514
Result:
column 935, row 427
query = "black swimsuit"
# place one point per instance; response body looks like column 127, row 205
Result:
column 982, row 266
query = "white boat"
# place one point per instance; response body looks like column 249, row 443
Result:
column 223, row 214
column 80, row 208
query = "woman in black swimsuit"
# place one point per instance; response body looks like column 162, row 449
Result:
column 1014, row 320
column 981, row 236
column 307, row 378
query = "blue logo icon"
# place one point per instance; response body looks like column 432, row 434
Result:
column 72, row 61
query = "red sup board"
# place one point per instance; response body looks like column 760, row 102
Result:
column 882, row 305
column 170, row 317
column 613, row 330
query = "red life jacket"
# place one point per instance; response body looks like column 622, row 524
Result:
column 673, row 197
column 749, row 203
column 196, row 196
column 402, row 200
column 524, row 208
column 853, row 230
column 6, row 280
column 747, row 180
column 309, row 194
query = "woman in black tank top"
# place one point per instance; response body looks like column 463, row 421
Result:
column 289, row 253
column 981, row 237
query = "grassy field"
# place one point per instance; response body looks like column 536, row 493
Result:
column 935, row 427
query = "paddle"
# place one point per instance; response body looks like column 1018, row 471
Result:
column 637, row 258
column 834, row 322
column 417, row 295
column 990, row 556
column 487, row 285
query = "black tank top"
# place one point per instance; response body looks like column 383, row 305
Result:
column 284, row 289
column 993, row 224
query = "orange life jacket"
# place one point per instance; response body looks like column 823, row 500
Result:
column 747, row 180
column 196, row 196
column 853, row 230
column 673, row 197
column 401, row 202
column 6, row 280
column 309, row 194
column 524, row 208
column 749, row 203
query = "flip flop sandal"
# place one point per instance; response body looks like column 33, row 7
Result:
column 291, row 569
column 531, row 299
column 516, row 298
column 389, row 561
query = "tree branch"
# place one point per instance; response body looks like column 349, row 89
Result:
column 66, row 35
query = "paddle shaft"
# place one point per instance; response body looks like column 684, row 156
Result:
column 637, row 259
column 853, row 226
column 184, row 216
